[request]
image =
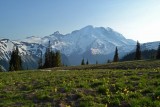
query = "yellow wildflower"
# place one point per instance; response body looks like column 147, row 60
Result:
column 55, row 90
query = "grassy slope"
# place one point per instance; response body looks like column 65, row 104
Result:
column 98, row 87
column 119, row 65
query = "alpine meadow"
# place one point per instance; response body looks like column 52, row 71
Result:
column 56, row 53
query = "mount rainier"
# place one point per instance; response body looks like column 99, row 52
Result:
column 92, row 43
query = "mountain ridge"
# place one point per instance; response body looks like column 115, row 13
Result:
column 92, row 43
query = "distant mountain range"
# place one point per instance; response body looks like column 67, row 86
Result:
column 92, row 43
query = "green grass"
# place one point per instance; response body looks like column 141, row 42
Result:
column 141, row 64
column 82, row 88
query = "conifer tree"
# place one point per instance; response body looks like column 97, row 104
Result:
column 46, row 60
column 87, row 62
column 108, row 61
column 53, row 59
column 116, row 57
column 82, row 62
column 96, row 62
column 49, row 55
column 58, row 59
column 15, row 61
column 158, row 52
column 47, row 63
column 138, row 51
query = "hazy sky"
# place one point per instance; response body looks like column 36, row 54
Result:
column 135, row 19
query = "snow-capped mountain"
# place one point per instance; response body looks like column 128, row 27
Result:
column 97, row 39
column 92, row 43
column 88, row 40
column 28, row 51
column 150, row 45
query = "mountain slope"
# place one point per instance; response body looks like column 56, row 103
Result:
column 95, row 38
column 87, row 42
column 92, row 43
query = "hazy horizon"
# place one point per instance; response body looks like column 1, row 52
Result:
column 137, row 20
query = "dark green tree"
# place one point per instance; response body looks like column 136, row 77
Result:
column 46, row 60
column 15, row 63
column 82, row 62
column 58, row 59
column 87, row 63
column 96, row 62
column 138, row 51
column 53, row 59
column 48, row 57
column 108, row 61
column 158, row 52
column 116, row 57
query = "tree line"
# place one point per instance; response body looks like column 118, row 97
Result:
column 51, row 59
column 15, row 62
column 146, row 54
column 137, row 55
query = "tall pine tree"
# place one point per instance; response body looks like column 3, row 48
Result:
column 116, row 57
column 87, row 63
column 82, row 62
column 47, row 63
column 46, row 60
column 138, row 51
column 52, row 59
column 58, row 59
column 96, row 62
column 15, row 61
column 158, row 52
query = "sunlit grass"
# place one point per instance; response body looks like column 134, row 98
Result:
column 81, row 88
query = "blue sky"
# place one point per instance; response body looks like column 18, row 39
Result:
column 135, row 19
